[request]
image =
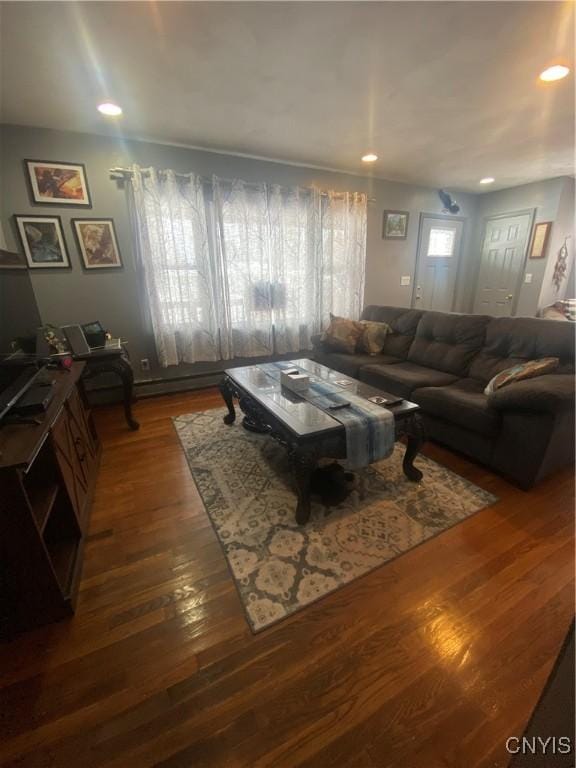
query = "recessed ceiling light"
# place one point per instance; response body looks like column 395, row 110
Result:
column 487, row 180
column 557, row 72
column 109, row 109
column 369, row 158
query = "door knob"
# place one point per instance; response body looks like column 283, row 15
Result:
column 509, row 297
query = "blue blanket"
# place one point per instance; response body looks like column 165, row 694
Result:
column 370, row 430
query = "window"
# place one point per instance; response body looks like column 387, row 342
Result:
column 441, row 242
column 243, row 270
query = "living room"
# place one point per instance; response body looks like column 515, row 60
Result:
column 287, row 312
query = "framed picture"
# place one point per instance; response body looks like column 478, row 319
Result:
column 540, row 239
column 395, row 226
column 53, row 183
column 43, row 242
column 97, row 243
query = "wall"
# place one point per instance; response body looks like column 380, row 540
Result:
column 77, row 297
column 544, row 196
column 562, row 228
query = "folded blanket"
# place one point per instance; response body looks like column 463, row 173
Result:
column 370, row 430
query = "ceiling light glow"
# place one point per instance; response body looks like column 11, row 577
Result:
column 369, row 158
column 487, row 180
column 109, row 109
column 557, row 72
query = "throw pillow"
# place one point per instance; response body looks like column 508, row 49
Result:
column 522, row 371
column 342, row 335
column 374, row 336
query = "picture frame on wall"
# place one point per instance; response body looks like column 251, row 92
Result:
column 540, row 237
column 58, row 183
column 97, row 243
column 43, row 241
column 395, row 225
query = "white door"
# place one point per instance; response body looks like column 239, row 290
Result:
column 502, row 262
column 437, row 263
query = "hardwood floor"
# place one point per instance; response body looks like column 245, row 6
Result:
column 432, row 660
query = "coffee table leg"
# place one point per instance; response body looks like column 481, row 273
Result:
column 415, row 437
column 226, row 393
column 303, row 465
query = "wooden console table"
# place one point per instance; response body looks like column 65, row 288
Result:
column 47, row 477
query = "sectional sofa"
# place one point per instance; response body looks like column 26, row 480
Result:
column 443, row 361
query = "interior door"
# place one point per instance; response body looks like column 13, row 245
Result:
column 502, row 262
column 437, row 262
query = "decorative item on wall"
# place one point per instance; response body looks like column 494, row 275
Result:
column 395, row 225
column 43, row 241
column 561, row 266
column 540, row 239
column 97, row 243
column 450, row 205
column 54, row 183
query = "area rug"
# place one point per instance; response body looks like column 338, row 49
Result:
column 280, row 567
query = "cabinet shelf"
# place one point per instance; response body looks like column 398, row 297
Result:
column 42, row 500
column 63, row 557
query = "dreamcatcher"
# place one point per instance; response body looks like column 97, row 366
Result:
column 561, row 266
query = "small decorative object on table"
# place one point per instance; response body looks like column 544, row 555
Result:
column 295, row 380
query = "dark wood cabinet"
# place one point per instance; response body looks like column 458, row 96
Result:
column 47, row 478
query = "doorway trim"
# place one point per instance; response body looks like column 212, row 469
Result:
column 525, row 212
column 441, row 217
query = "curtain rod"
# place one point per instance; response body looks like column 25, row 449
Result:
column 122, row 173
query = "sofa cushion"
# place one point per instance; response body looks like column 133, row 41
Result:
column 463, row 403
column 521, row 371
column 514, row 340
column 402, row 378
column 349, row 365
column 448, row 342
column 403, row 323
column 373, row 338
column 342, row 335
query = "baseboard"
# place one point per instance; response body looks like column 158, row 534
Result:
column 112, row 393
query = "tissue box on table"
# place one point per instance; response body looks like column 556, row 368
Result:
column 294, row 380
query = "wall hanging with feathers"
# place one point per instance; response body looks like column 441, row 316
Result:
column 561, row 266
column 450, row 205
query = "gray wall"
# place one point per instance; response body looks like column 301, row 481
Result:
column 544, row 197
column 563, row 227
column 76, row 296
column 113, row 297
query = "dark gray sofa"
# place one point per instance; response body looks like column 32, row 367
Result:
column 443, row 361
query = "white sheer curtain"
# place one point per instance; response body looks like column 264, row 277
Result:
column 291, row 256
column 244, row 270
column 172, row 234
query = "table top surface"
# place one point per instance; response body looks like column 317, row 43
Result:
column 299, row 415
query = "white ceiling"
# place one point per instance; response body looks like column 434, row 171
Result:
column 444, row 93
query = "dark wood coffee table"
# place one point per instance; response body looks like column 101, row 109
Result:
column 307, row 432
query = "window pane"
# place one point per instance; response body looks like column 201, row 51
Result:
column 441, row 242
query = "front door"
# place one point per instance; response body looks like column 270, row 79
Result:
column 502, row 261
column 437, row 262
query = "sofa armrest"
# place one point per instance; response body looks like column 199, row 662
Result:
column 551, row 393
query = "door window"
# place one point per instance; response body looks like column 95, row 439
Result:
column 441, row 242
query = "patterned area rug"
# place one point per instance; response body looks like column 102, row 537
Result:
column 280, row 567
